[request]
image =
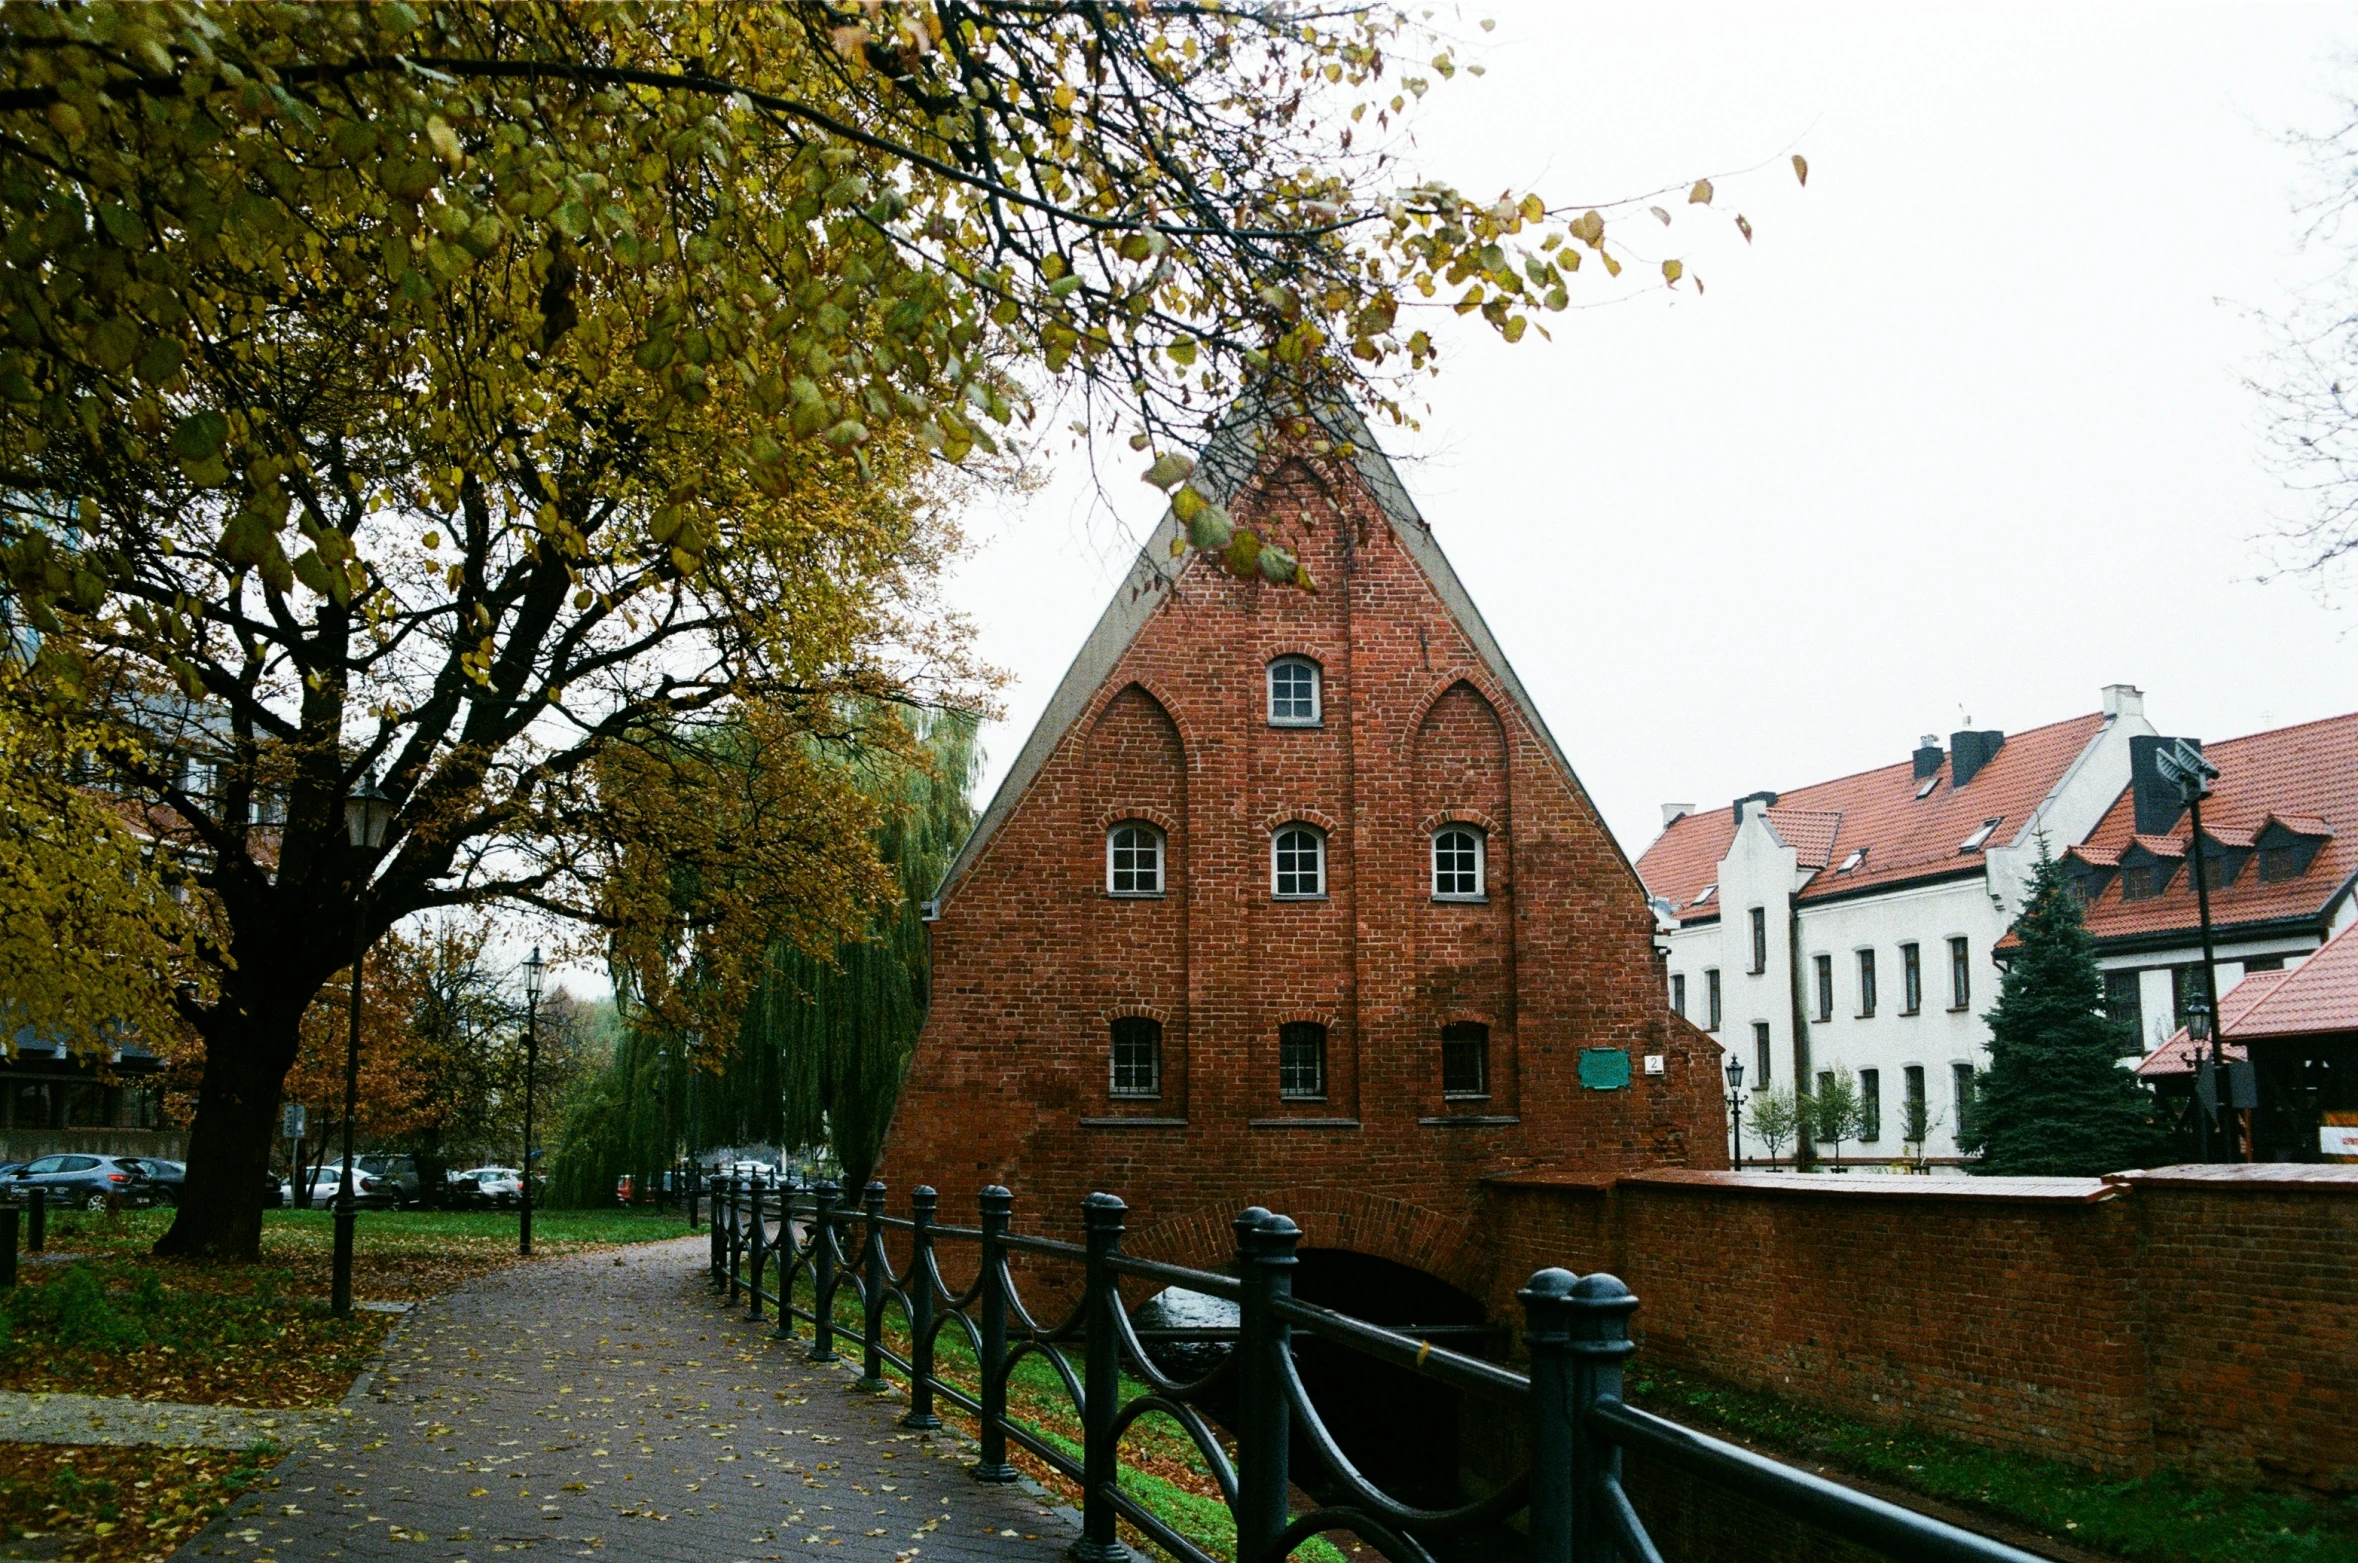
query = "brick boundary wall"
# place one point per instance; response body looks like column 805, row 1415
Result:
column 2202, row 1319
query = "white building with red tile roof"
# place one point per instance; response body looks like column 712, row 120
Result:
column 1851, row 924
column 2280, row 842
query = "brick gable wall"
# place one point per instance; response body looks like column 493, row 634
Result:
column 1032, row 957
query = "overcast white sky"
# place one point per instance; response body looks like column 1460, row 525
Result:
column 1963, row 432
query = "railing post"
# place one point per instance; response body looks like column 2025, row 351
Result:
column 998, row 1207
column 874, row 1273
column 1598, row 1307
column 783, row 1255
column 715, row 1234
column 7, row 1246
column 1101, row 1384
column 1264, row 1422
column 1547, row 1331
column 36, row 1220
column 736, row 1233
column 695, row 1186
column 923, row 1201
column 823, row 1273
column 756, row 1240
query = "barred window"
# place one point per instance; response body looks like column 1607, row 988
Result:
column 1297, row 862
column 1465, row 1059
column 1301, row 1060
column 1457, row 863
column 1137, row 1056
column 1134, row 860
column 1293, row 692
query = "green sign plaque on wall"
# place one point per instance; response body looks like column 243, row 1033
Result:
column 1604, row 1068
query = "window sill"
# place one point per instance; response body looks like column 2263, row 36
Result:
column 1905, row 1013
column 1469, row 1121
column 1318, row 897
column 1465, row 1096
column 1864, row 1014
column 1297, row 722
column 1461, row 900
column 1959, row 1009
column 1302, row 1123
column 1135, row 895
column 1134, row 1122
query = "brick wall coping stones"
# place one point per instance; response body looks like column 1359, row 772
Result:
column 2071, row 1191
column 2273, row 1176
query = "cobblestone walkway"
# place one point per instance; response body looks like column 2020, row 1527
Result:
column 607, row 1406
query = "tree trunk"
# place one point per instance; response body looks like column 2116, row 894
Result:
column 248, row 1051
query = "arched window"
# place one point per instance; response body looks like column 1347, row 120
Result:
column 1293, row 692
column 1297, row 862
column 1301, row 1061
column 1133, row 859
column 1457, row 864
column 1137, row 1056
column 1465, row 1059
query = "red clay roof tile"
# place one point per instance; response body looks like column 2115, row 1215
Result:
column 1907, row 838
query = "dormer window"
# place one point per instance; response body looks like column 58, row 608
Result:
column 2280, row 863
column 1980, row 837
column 1294, row 693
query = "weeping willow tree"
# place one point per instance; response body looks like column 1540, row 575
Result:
column 821, row 1038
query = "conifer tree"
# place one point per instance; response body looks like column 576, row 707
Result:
column 2055, row 1101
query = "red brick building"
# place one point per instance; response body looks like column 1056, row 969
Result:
column 1291, row 899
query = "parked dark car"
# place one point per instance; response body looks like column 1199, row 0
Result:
column 399, row 1173
column 86, row 1181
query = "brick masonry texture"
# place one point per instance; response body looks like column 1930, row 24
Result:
column 583, row 1407
column 2196, row 1323
column 1033, row 959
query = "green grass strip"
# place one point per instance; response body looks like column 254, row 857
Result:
column 2164, row 1518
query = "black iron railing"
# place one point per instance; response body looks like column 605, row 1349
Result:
column 769, row 1240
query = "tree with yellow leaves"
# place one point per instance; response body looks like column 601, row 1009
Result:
column 458, row 393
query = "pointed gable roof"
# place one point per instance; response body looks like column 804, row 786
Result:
column 1224, row 469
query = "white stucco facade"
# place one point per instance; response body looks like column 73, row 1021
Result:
column 1779, row 1006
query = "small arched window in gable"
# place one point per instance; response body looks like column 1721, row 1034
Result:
column 1297, row 863
column 1294, row 697
column 1458, row 866
column 1133, row 859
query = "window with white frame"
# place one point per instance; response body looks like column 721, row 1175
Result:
column 1133, row 859
column 1297, row 862
column 1457, row 863
column 1293, row 692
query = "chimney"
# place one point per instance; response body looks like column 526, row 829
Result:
column 1672, row 813
column 2157, row 803
column 1928, row 756
column 2123, row 700
column 1969, row 751
column 1767, row 800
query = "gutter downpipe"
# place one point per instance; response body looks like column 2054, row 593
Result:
column 1805, row 1143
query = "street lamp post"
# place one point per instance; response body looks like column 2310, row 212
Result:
column 1736, row 1110
column 2183, row 764
column 534, row 967
column 367, row 811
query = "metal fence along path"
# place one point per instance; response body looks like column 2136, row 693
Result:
column 1569, row 1506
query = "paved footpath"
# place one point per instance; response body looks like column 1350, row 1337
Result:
column 607, row 1406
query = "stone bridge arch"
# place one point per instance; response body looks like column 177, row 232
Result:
column 1380, row 1226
